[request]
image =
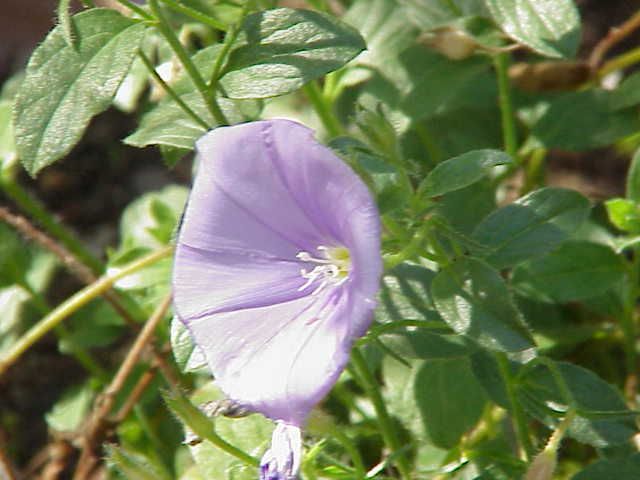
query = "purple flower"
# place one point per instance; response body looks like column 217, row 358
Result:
column 276, row 271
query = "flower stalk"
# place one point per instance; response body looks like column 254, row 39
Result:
column 367, row 381
column 74, row 303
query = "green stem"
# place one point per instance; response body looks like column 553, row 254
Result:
column 389, row 434
column 224, row 53
column 534, row 172
column 410, row 251
column 520, row 425
column 135, row 8
column 176, row 98
column 187, row 63
column 195, row 14
column 378, row 330
column 74, row 303
column 628, row 324
column 36, row 211
column 81, row 355
column 501, row 63
column 620, row 62
column 352, row 450
column 429, row 143
column 560, row 431
column 323, row 109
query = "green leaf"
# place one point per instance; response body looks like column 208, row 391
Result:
column 633, row 178
column 14, row 258
column 531, row 226
column 602, row 416
column 68, row 413
column 150, row 220
column 464, row 209
column 582, row 120
column 97, row 325
column 65, row 86
column 12, row 305
column 167, row 124
column 428, row 14
column 437, row 84
column 620, row 468
column 279, row 50
column 384, row 27
column 436, row 400
column 449, row 398
column 405, row 295
column 8, row 155
column 627, row 94
column 574, row 271
column 187, row 356
column 624, row 214
column 134, row 465
column 250, row 434
column 459, row 172
column 384, row 178
column 551, row 28
column 420, row 344
column 474, row 301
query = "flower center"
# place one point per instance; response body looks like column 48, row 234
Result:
column 333, row 267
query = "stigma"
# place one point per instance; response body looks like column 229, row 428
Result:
column 333, row 265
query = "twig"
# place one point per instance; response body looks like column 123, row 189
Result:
column 83, row 273
column 614, row 36
column 74, row 303
column 98, row 422
column 143, row 382
column 59, row 453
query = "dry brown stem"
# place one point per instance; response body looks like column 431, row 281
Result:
column 614, row 36
column 98, row 424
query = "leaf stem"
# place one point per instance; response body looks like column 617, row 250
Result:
column 389, row 434
column 410, row 251
column 202, row 426
column 174, row 96
column 187, row 63
column 620, row 62
column 195, row 14
column 519, row 423
column 323, row 109
column 135, row 8
column 81, row 355
column 229, row 39
column 75, row 302
column 397, row 325
column 509, row 136
column 35, row 210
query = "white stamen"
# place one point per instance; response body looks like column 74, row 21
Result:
column 333, row 269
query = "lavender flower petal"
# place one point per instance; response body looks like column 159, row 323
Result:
column 276, row 271
column 282, row 460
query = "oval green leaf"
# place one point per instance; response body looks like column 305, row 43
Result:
column 459, row 172
column 474, row 301
column 549, row 27
column 65, row 86
column 575, row 271
column 531, row 226
column 279, row 50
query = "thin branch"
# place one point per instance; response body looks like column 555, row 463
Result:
column 98, row 422
column 74, row 303
column 83, row 273
column 614, row 36
column 143, row 382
